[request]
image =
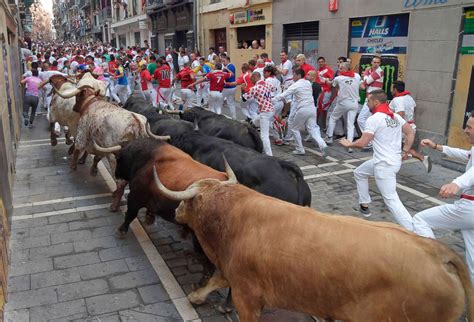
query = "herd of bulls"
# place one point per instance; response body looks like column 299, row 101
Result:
column 250, row 214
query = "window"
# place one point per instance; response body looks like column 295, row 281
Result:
column 137, row 39
column 215, row 1
column 302, row 38
column 246, row 35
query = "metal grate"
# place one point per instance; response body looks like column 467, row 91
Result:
column 301, row 30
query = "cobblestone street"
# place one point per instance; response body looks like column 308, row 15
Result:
column 67, row 264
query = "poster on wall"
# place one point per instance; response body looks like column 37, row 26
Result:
column 467, row 47
column 384, row 36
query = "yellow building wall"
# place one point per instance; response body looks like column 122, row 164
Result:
column 456, row 137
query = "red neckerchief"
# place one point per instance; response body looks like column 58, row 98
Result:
column 402, row 93
column 283, row 61
column 260, row 65
column 260, row 82
column 384, row 108
column 349, row 73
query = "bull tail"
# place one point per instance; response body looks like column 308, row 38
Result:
column 256, row 138
column 304, row 193
column 465, row 278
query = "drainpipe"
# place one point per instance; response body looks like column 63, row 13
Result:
column 196, row 22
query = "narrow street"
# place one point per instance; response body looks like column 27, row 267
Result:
column 67, row 264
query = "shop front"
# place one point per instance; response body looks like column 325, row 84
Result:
column 384, row 36
column 247, row 26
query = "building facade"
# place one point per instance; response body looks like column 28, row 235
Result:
column 130, row 23
column 421, row 42
column 173, row 24
column 10, row 126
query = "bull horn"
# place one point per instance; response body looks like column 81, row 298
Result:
column 156, row 137
column 232, row 179
column 65, row 94
column 187, row 194
column 196, row 125
column 112, row 149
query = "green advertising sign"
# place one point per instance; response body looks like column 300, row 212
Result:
column 468, row 36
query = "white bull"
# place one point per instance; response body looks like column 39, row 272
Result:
column 102, row 129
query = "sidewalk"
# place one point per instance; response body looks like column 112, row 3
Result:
column 66, row 263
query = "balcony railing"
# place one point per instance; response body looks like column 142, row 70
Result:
column 106, row 14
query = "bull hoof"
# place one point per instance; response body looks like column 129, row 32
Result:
column 54, row 142
column 94, row 171
column 120, row 233
column 194, row 298
column 82, row 161
column 68, row 141
column 73, row 168
column 71, row 150
column 224, row 309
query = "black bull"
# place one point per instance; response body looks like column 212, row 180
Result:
column 209, row 123
column 268, row 175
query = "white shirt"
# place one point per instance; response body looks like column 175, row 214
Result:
column 210, row 57
column 275, row 84
column 302, row 93
column 169, row 60
column 348, row 93
column 195, row 64
column 288, row 65
column 61, row 62
column 465, row 181
column 405, row 104
column 182, row 60
column 260, row 71
column 387, row 137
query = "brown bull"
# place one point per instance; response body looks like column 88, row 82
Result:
column 276, row 254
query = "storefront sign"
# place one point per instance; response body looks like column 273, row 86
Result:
column 380, row 34
column 333, row 5
column 467, row 47
column 416, row 4
column 247, row 16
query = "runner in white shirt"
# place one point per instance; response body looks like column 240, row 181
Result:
column 169, row 60
column 303, row 112
column 460, row 215
column 183, row 59
column 347, row 87
column 286, row 70
column 384, row 129
column 212, row 55
column 404, row 105
column 270, row 72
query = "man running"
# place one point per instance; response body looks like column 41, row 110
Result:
column 303, row 112
column 384, row 129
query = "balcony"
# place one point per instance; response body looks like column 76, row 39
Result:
column 106, row 15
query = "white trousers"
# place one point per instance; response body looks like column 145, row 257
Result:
column 338, row 112
column 301, row 118
column 386, row 180
column 188, row 97
column 150, row 96
column 120, row 93
column 229, row 95
column 265, row 120
column 164, row 95
column 250, row 108
column 202, row 93
column 364, row 114
column 457, row 216
column 216, row 100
